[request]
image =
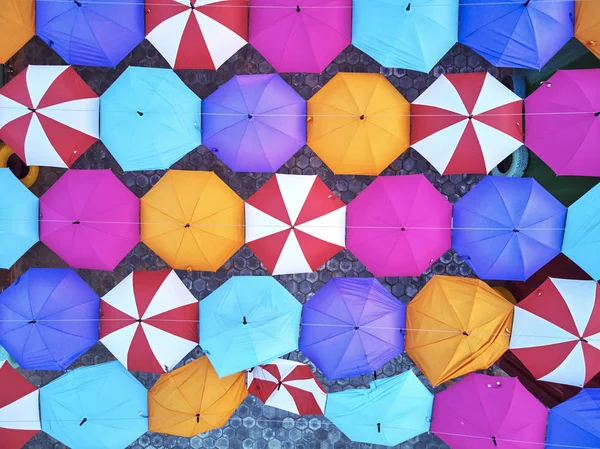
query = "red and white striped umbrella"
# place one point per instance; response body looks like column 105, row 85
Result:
column 556, row 331
column 48, row 115
column 294, row 224
column 149, row 321
column 288, row 385
column 197, row 34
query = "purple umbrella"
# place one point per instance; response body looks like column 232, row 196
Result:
column 254, row 123
column 352, row 326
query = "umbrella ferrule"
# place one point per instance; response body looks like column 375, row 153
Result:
column 197, row 417
column 279, row 384
column 78, row 3
column 494, row 441
column 378, row 427
column 597, row 113
column 244, row 321
column 83, row 421
column 408, row 7
column 297, row 8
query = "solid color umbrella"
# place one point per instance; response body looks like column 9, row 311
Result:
column 193, row 399
column 95, row 406
column 17, row 22
column 197, row 34
column 149, row 321
column 587, row 25
column 389, row 412
column 399, row 225
column 508, row 228
column 149, row 119
column 455, row 326
column 466, row 123
column 193, row 220
column 254, row 123
column 300, row 36
column 248, row 321
column 574, row 423
column 48, row 115
column 352, row 326
column 294, row 224
column 48, row 318
column 90, row 219
column 358, row 123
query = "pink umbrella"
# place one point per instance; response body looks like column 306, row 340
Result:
column 90, row 219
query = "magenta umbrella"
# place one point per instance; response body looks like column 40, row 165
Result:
column 399, row 225
column 90, row 219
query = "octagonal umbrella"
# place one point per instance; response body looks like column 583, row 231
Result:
column 574, row 423
column 587, row 25
column 17, row 22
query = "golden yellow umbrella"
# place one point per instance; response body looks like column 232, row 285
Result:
column 358, row 123
column 193, row 220
column 17, row 26
column 587, row 24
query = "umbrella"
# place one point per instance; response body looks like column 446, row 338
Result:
column 352, row 326
column 399, row 225
column 18, row 219
column 390, row 412
column 563, row 124
column 248, row 321
column 95, row 406
column 254, row 123
column 289, row 386
column 455, row 326
column 516, row 33
column 294, row 224
column 574, row 423
column 91, row 32
column 466, row 123
column 488, row 412
column 149, row 321
column 587, row 25
column 197, row 34
column 193, row 220
column 48, row 318
column 358, row 123
column 90, row 219
column 149, row 119
column 17, row 22
column 48, row 115
column 193, row 399
column 300, row 36
column 412, row 35
column 508, row 228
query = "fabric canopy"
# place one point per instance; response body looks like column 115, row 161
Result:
column 587, row 25
column 17, row 26
column 574, row 423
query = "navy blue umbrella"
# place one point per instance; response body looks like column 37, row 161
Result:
column 576, row 422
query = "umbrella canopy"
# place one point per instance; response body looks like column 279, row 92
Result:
column 95, row 406
column 90, row 219
column 17, row 22
column 48, row 318
column 193, row 220
column 516, row 33
column 149, row 119
column 254, row 123
column 466, row 123
column 358, row 123
column 149, row 321
column 91, row 32
column 48, row 115
column 294, row 224
column 587, row 25
column 352, row 326
column 193, row 399
column 300, row 36
column 391, row 411
column 197, row 34
column 574, row 423
column 248, row 321
column 288, row 385
column 455, row 326
column 508, row 228
column 399, row 225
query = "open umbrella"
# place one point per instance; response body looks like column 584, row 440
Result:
column 254, row 123
column 587, row 25
column 17, row 22
column 574, row 423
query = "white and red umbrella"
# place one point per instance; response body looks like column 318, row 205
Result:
column 288, row 385
column 197, row 34
column 48, row 115
column 466, row 123
column 294, row 224
column 149, row 321
column 556, row 331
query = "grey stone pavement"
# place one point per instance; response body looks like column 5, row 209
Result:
column 255, row 425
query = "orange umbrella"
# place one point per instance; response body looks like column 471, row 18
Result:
column 455, row 326
column 192, row 399
column 587, row 25
column 17, row 26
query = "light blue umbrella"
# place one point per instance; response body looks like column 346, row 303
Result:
column 247, row 322
column 149, row 119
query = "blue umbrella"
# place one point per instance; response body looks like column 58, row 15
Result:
column 576, row 422
column 149, row 119
column 99, row 406
column 508, row 228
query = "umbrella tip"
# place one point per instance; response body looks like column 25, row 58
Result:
column 244, row 321
column 77, row 222
column 187, row 225
column 362, row 117
column 77, row 2
column 83, row 421
column 465, row 333
column 32, row 109
column 249, row 116
column 597, row 113
column 515, row 230
column 32, row 322
column 408, row 7
column 141, row 114
column 197, row 417
column 297, row 8
column 379, row 427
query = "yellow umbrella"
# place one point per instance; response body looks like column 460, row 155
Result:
column 587, row 24
column 17, row 26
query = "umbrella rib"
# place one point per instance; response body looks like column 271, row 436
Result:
column 579, row 148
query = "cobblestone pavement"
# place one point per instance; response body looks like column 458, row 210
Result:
column 254, row 425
